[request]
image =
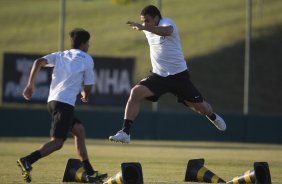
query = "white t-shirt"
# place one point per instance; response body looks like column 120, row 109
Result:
column 72, row 69
column 165, row 51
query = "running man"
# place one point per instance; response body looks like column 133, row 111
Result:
column 169, row 73
column 72, row 74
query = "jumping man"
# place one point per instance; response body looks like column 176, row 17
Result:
column 169, row 73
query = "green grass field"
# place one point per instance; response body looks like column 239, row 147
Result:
column 162, row 161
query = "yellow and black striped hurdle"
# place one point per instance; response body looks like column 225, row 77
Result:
column 131, row 173
column 75, row 172
column 247, row 177
column 198, row 173
column 259, row 175
column 116, row 179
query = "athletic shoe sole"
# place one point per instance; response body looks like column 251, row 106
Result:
column 97, row 179
column 123, row 142
column 25, row 173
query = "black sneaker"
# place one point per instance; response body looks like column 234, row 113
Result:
column 88, row 168
column 26, row 169
column 97, row 177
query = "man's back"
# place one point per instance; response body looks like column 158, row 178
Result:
column 72, row 69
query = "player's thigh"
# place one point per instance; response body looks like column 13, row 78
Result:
column 62, row 115
column 141, row 91
column 154, row 87
column 182, row 87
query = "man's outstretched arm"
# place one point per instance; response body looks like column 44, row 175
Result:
column 158, row 30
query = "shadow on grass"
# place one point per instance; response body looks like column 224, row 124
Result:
column 220, row 75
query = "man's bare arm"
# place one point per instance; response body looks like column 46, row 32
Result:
column 37, row 65
column 158, row 30
column 85, row 93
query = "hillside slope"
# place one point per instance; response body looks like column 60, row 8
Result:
column 212, row 34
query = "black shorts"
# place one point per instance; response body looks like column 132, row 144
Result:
column 62, row 119
column 179, row 84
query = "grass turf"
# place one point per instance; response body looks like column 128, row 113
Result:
column 162, row 161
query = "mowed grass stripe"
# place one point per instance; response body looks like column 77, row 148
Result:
column 162, row 161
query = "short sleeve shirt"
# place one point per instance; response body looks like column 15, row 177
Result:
column 72, row 69
column 165, row 51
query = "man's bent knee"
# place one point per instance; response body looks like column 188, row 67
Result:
column 57, row 143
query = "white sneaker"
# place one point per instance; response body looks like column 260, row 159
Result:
column 218, row 122
column 120, row 136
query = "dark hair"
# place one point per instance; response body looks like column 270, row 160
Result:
column 151, row 10
column 79, row 36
